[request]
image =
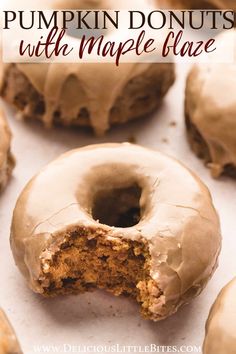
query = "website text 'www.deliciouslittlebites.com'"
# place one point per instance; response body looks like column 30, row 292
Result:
column 116, row 348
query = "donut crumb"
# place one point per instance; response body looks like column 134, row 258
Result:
column 87, row 260
column 165, row 140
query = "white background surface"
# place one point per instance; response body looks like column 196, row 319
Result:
column 99, row 318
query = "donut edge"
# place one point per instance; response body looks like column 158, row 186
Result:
column 30, row 104
column 9, row 162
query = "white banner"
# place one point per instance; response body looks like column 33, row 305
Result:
column 117, row 35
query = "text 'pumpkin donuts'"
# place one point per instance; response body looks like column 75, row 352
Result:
column 118, row 217
column 94, row 94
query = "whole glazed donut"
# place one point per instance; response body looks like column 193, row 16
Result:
column 8, row 341
column 86, row 94
column 118, row 217
column 220, row 328
column 210, row 110
column 198, row 4
column 7, row 161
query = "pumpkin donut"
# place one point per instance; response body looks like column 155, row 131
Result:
column 118, row 217
column 220, row 329
column 7, row 161
column 210, row 111
column 96, row 95
column 8, row 341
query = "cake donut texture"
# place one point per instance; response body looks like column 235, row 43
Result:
column 8, row 341
column 7, row 161
column 220, row 329
column 210, row 110
column 198, row 4
column 118, row 217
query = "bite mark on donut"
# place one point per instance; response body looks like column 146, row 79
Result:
column 88, row 259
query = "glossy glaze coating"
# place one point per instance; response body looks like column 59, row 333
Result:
column 178, row 219
column 211, row 108
column 220, row 328
column 8, row 341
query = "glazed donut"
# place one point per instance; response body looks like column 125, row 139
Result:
column 210, row 110
column 8, row 341
column 198, row 4
column 220, row 328
column 69, row 95
column 118, row 217
column 7, row 161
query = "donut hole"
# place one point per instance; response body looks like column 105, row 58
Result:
column 119, row 207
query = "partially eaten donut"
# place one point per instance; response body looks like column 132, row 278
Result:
column 125, row 219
